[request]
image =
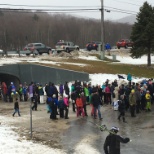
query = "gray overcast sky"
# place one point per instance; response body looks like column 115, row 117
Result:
column 131, row 6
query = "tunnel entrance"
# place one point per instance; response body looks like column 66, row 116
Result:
column 7, row 78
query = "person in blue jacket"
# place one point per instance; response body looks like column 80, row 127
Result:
column 129, row 78
column 53, row 105
column 108, row 48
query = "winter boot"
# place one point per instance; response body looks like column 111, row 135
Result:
column 119, row 118
column 124, row 120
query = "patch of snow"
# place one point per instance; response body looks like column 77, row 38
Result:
column 88, row 58
column 11, row 143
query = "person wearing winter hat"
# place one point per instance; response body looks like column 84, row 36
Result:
column 132, row 102
column 112, row 141
column 148, row 100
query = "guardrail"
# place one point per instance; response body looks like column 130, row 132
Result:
column 26, row 52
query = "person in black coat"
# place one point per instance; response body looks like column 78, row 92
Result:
column 66, row 88
column 96, row 103
column 121, row 108
column 53, row 103
column 35, row 101
column 73, row 97
column 112, row 142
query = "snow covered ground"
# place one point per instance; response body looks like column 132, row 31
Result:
column 10, row 142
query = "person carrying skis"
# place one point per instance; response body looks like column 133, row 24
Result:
column 112, row 142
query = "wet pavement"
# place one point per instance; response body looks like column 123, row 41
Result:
column 139, row 129
column 79, row 135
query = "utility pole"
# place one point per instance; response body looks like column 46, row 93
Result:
column 102, row 54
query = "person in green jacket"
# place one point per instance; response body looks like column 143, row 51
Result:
column 20, row 92
column 86, row 93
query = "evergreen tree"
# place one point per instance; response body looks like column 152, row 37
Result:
column 143, row 33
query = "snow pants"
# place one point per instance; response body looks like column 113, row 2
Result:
column 148, row 105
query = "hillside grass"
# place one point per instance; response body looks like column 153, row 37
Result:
column 106, row 66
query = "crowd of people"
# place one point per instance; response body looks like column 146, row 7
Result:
column 122, row 95
column 135, row 97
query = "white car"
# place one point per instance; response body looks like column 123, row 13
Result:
column 66, row 46
column 1, row 52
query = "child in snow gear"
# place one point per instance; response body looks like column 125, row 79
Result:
column 148, row 100
column 112, row 142
column 79, row 105
column 61, row 107
column 16, row 108
column 66, row 105
column 121, row 108
column 48, row 101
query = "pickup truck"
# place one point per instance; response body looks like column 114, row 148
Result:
column 66, row 46
column 124, row 43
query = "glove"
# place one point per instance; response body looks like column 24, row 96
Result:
column 101, row 129
column 127, row 139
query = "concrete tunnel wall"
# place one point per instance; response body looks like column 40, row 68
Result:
column 20, row 73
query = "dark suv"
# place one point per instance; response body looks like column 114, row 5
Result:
column 39, row 47
column 93, row 45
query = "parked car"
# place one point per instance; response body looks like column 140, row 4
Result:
column 93, row 45
column 39, row 47
column 66, row 46
column 1, row 52
column 124, row 43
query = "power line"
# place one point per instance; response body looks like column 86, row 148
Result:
column 121, row 9
column 47, row 6
column 47, row 11
column 123, row 12
column 78, row 8
column 65, row 11
column 42, row 10
column 127, row 3
column 130, row 3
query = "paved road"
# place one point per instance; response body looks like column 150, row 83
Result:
column 79, row 135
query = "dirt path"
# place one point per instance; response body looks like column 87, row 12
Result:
column 45, row 130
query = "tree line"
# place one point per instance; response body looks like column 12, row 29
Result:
column 18, row 28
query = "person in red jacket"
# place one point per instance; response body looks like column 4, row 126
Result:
column 4, row 91
column 79, row 105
